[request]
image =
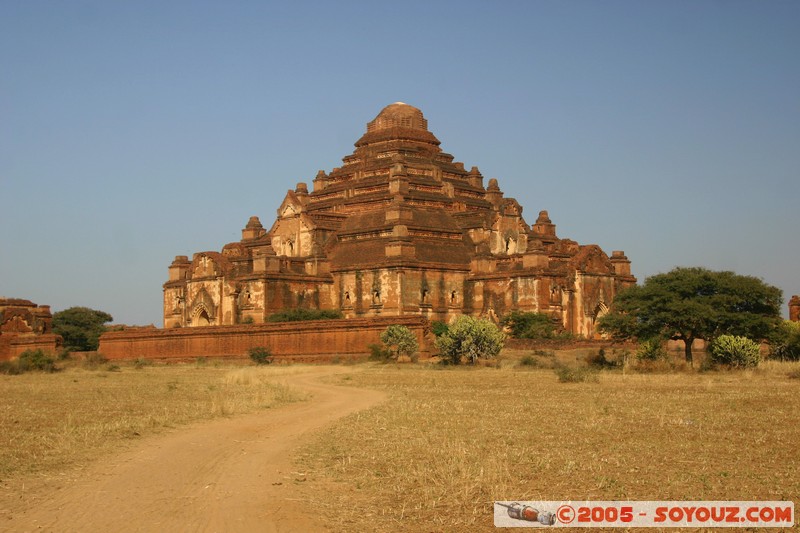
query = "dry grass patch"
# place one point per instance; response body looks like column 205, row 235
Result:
column 54, row 421
column 449, row 442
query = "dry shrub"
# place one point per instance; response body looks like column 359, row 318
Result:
column 93, row 360
column 576, row 374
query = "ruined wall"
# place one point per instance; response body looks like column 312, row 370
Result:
column 25, row 326
column 12, row 347
column 317, row 339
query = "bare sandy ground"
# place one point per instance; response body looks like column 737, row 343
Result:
column 229, row 475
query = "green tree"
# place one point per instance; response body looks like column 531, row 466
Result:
column 80, row 327
column 470, row 337
column 400, row 340
column 786, row 343
column 529, row 325
column 691, row 303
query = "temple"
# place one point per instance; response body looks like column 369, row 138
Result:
column 794, row 308
column 399, row 229
column 25, row 325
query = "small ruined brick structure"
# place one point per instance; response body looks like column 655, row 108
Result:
column 794, row 308
column 25, row 325
column 399, row 229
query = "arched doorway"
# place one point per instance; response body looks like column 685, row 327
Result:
column 202, row 319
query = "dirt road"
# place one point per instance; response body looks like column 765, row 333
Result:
column 229, row 475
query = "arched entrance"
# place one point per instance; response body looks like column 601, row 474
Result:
column 202, row 319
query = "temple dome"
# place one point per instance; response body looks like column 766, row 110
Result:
column 401, row 115
column 398, row 122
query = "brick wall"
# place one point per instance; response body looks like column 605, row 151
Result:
column 318, row 339
column 13, row 345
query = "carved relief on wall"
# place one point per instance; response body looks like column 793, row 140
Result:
column 204, row 267
column 16, row 324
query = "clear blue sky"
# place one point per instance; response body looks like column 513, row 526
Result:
column 131, row 132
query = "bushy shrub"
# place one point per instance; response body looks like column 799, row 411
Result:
column 378, row 352
column 576, row 375
column 35, row 360
column 260, row 355
column 734, row 352
column 400, row 340
column 9, row 368
column 471, row 338
column 651, row 350
column 141, row 362
column 529, row 361
column 599, row 360
column 297, row 315
column 438, row 328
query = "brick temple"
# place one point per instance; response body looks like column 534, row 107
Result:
column 399, row 229
column 25, row 325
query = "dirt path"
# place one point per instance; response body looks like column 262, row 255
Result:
column 226, row 475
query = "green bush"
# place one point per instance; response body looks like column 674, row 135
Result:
column 651, row 350
column 471, row 338
column 438, row 328
column 36, row 360
column 260, row 355
column 786, row 347
column 297, row 315
column 529, row 360
column 734, row 352
column 400, row 340
column 378, row 352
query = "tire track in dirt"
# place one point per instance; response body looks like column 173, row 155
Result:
column 229, row 475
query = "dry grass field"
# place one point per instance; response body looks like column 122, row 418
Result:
column 451, row 441
column 56, row 421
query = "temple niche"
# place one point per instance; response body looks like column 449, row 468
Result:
column 400, row 228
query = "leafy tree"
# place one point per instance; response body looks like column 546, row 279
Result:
column 400, row 340
column 80, row 327
column 786, row 344
column 470, row 337
column 529, row 325
column 695, row 303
